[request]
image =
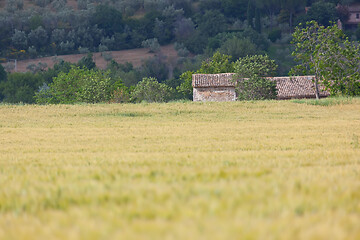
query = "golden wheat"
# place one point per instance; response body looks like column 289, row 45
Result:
column 240, row 170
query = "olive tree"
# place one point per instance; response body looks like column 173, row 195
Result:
column 19, row 39
column 327, row 53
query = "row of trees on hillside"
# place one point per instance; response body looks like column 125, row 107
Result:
column 51, row 27
column 322, row 51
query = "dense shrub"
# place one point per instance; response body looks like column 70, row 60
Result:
column 238, row 47
column 78, row 85
column 274, row 35
column 185, row 88
column 20, row 87
column 152, row 44
column 87, row 62
column 150, row 90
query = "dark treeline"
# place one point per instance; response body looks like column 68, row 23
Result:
column 50, row 27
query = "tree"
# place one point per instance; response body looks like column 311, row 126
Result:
column 155, row 67
column 107, row 18
column 184, row 28
column 211, row 23
column 257, row 24
column 322, row 12
column 87, row 62
column 20, row 87
column 38, row 37
column 19, row 39
column 152, row 44
column 58, row 36
column 78, row 85
column 327, row 53
column 234, row 8
column 219, row 63
column 238, row 47
column 251, row 81
column 185, row 88
column 150, row 90
column 271, row 7
column 3, row 78
column 292, row 7
column 250, row 14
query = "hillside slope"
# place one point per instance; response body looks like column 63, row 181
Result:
column 134, row 56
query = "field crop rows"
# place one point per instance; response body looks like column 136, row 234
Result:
column 241, row 170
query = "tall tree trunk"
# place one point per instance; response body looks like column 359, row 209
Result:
column 317, row 92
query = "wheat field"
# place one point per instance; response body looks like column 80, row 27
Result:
column 181, row 170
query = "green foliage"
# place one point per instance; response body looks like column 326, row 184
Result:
column 322, row 12
column 120, row 95
column 38, row 38
column 107, row 18
column 129, row 75
column 196, row 43
column 43, row 95
column 327, row 53
column 20, row 87
column 87, row 62
column 274, row 35
column 78, row 85
column 257, row 20
column 357, row 32
column 150, row 90
column 251, row 73
column 238, row 47
column 185, row 87
column 94, row 88
column 234, row 8
column 250, row 14
column 255, row 66
column 60, row 66
column 219, row 63
column 3, row 74
column 211, row 22
column 155, row 67
column 152, row 44
column 260, row 42
column 256, row 88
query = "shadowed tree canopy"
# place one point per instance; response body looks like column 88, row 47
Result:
column 322, row 12
column 108, row 19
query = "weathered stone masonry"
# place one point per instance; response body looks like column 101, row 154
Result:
column 221, row 87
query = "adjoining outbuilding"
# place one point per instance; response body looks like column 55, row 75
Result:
column 221, row 87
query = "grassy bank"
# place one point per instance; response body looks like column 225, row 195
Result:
column 241, row 170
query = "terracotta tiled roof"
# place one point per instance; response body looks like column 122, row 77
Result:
column 213, row 80
column 297, row 87
column 355, row 7
column 288, row 87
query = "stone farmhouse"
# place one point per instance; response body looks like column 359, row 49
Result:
column 354, row 15
column 221, row 87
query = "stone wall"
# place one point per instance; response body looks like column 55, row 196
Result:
column 214, row 94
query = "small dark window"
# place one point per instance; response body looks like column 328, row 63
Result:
column 357, row 15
